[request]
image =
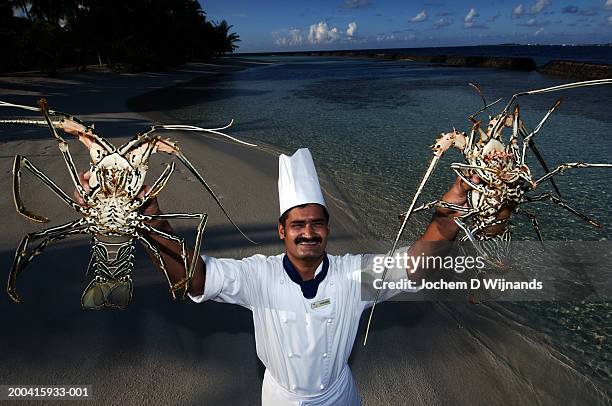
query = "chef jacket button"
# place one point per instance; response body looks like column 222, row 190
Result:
column 322, row 387
column 293, row 387
column 324, row 355
column 290, row 355
column 282, row 281
column 329, row 321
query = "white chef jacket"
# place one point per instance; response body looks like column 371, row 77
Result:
column 304, row 343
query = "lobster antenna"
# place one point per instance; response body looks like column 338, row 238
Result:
column 484, row 101
column 475, row 87
column 486, row 107
column 557, row 88
column 21, row 106
column 430, row 169
column 193, row 170
column 50, row 113
column 208, row 130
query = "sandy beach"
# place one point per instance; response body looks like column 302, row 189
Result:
column 161, row 352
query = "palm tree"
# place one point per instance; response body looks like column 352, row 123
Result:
column 225, row 41
column 140, row 33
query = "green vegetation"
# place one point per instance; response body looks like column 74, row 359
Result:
column 129, row 34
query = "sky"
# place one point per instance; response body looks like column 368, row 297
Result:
column 290, row 25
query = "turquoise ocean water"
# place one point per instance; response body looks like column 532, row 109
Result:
column 369, row 124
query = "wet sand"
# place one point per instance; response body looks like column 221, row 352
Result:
column 162, row 352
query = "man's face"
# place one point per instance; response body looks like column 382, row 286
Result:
column 305, row 232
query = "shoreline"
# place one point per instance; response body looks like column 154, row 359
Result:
column 570, row 69
column 420, row 352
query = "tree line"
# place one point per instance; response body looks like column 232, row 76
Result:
column 128, row 34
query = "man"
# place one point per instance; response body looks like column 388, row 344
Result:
column 306, row 304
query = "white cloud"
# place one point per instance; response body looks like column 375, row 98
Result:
column 334, row 34
column 536, row 8
column 518, row 11
column 610, row 20
column 422, row 16
column 608, row 6
column 539, row 6
column 290, row 37
column 538, row 31
column 470, row 15
column 469, row 21
column 531, row 22
column 352, row 28
column 320, row 33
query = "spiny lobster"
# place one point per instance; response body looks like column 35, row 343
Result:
column 505, row 179
column 112, row 204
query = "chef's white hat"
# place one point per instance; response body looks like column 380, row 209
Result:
column 298, row 182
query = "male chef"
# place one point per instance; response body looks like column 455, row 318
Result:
column 306, row 303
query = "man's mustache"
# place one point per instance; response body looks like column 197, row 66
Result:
column 307, row 240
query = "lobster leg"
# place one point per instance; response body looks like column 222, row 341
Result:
column 467, row 166
column 482, row 226
column 466, row 180
column 519, row 128
column 534, row 221
column 162, row 265
column 197, row 246
column 189, row 268
column 571, row 165
column 159, row 184
column 63, row 146
column 154, row 191
column 22, row 258
column 17, row 165
column 527, row 138
column 556, row 200
column 539, row 157
column 170, row 237
column 457, row 167
column 444, row 205
column 476, row 243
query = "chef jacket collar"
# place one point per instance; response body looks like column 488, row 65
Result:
column 309, row 288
